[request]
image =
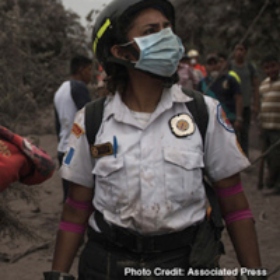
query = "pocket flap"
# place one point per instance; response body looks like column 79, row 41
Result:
column 186, row 159
column 107, row 165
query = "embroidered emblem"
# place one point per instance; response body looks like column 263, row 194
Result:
column 69, row 156
column 182, row 125
column 4, row 150
column 77, row 130
column 223, row 120
column 101, row 150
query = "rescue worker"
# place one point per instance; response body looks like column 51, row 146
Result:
column 194, row 62
column 71, row 96
column 143, row 175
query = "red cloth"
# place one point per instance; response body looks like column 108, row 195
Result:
column 22, row 161
column 201, row 68
column 13, row 164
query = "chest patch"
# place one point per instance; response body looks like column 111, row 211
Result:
column 182, row 125
column 223, row 120
column 101, row 150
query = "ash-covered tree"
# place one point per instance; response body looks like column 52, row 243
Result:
column 218, row 25
column 37, row 40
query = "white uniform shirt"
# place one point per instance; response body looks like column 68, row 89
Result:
column 66, row 110
column 68, row 99
column 154, row 184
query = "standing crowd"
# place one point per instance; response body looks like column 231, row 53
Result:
column 235, row 81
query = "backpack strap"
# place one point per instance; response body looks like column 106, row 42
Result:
column 199, row 111
column 93, row 118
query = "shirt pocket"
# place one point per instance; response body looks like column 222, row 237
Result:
column 110, row 183
column 183, row 176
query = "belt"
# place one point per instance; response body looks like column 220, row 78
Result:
column 138, row 243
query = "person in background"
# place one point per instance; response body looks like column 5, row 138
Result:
column 22, row 161
column 224, row 66
column 187, row 78
column 70, row 97
column 194, row 62
column 270, row 118
column 144, row 173
column 249, row 89
column 100, row 77
column 222, row 86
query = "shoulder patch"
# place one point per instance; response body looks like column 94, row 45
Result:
column 223, row 120
column 69, row 156
column 182, row 125
column 77, row 130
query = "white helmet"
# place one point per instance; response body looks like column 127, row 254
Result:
column 193, row 53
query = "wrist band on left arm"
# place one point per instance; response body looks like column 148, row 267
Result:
column 238, row 215
column 72, row 227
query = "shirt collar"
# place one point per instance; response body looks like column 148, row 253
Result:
column 115, row 106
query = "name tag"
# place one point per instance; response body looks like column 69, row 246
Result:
column 101, row 150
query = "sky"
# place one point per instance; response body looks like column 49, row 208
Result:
column 82, row 7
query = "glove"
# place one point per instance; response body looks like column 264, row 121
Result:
column 56, row 275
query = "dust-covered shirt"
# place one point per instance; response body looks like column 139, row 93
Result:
column 152, row 183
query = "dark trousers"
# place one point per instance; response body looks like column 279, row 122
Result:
column 102, row 260
column 273, row 158
column 244, row 132
column 65, row 183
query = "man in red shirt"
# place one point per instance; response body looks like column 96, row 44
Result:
column 194, row 56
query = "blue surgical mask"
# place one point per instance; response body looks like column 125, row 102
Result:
column 160, row 52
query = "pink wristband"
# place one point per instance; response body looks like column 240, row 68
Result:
column 71, row 227
column 225, row 192
column 238, row 215
column 78, row 204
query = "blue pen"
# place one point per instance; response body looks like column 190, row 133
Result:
column 115, row 146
